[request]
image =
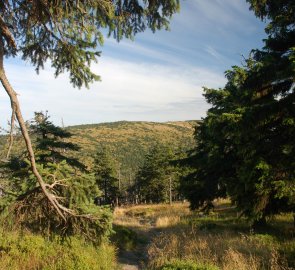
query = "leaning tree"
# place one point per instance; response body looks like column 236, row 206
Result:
column 67, row 34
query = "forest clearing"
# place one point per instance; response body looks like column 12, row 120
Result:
column 181, row 158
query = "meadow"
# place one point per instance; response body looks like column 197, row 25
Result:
column 165, row 237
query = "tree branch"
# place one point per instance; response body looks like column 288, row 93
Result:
column 61, row 210
column 7, row 34
column 11, row 131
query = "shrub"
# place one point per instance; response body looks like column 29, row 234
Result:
column 31, row 252
column 124, row 238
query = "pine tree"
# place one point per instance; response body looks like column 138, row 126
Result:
column 68, row 34
column 153, row 178
column 246, row 142
column 51, row 142
column 105, row 177
column 76, row 187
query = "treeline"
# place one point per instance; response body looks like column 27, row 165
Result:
column 152, row 176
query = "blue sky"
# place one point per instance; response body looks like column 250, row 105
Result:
column 157, row 77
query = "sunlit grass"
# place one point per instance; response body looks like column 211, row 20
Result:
column 218, row 240
column 25, row 251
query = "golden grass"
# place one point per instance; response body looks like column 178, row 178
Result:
column 167, row 221
column 217, row 239
column 151, row 215
column 226, row 251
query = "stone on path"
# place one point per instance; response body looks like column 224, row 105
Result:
column 129, row 267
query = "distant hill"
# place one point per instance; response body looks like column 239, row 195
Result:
column 130, row 141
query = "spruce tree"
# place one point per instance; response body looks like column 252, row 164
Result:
column 77, row 188
column 105, row 177
column 68, row 34
column 153, row 179
column 246, row 142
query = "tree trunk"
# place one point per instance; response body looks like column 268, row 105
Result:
column 15, row 106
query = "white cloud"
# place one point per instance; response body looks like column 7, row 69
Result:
column 130, row 91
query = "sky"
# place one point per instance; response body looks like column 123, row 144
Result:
column 157, row 77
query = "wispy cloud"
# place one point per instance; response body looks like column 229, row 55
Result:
column 129, row 91
column 158, row 77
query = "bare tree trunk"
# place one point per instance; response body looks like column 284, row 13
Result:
column 11, row 133
column 15, row 106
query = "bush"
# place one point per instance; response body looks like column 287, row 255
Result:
column 32, row 252
column 124, row 238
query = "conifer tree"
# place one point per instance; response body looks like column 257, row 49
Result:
column 67, row 33
column 76, row 187
column 51, row 142
column 105, row 176
column 246, row 142
column 153, row 179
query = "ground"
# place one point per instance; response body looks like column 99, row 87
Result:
column 173, row 237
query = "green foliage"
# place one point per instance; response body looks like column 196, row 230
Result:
column 246, row 142
column 76, row 190
column 105, row 176
column 50, row 142
column 33, row 212
column 153, row 178
column 30, row 252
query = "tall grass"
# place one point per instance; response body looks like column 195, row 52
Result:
column 195, row 241
column 25, row 251
column 220, row 247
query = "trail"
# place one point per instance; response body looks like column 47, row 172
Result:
column 145, row 230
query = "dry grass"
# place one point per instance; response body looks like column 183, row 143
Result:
column 151, row 215
column 227, row 251
column 217, row 239
column 167, row 221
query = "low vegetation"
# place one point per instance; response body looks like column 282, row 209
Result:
column 26, row 251
column 177, row 238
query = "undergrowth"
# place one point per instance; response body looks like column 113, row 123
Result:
column 26, row 251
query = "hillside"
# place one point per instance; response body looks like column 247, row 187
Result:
column 130, row 141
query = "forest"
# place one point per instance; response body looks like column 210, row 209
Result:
column 207, row 194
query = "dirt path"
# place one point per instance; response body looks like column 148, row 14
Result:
column 145, row 230
column 136, row 258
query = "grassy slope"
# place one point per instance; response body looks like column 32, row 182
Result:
column 130, row 141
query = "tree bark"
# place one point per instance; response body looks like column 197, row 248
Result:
column 15, row 106
column 11, row 133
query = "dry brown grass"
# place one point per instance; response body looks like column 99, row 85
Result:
column 217, row 239
column 167, row 221
column 228, row 251
column 151, row 215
